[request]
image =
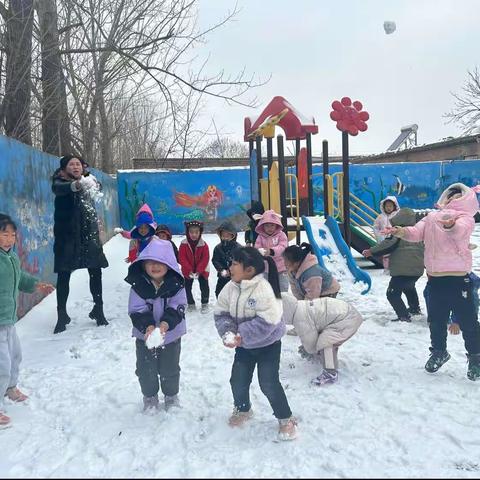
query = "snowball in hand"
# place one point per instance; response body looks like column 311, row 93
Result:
column 229, row 338
column 91, row 186
column 155, row 339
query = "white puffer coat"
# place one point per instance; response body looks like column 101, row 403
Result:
column 322, row 322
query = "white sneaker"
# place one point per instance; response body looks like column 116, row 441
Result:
column 205, row 308
column 191, row 308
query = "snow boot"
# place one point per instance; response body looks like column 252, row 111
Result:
column 4, row 420
column 171, row 401
column 287, row 429
column 97, row 314
column 205, row 308
column 414, row 311
column 150, row 403
column 436, row 360
column 15, row 395
column 63, row 320
column 238, row 418
column 326, row 377
column 473, row 372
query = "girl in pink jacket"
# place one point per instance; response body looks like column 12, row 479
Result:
column 272, row 241
column 448, row 261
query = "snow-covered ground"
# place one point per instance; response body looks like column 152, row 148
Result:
column 386, row 417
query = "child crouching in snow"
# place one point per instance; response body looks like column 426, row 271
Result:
column 322, row 324
column 12, row 280
column 248, row 317
column 157, row 309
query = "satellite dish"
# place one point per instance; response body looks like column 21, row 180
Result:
column 389, row 27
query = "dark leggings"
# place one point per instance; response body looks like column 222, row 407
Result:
column 63, row 287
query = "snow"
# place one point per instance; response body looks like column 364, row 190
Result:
column 155, row 339
column 163, row 170
column 386, row 417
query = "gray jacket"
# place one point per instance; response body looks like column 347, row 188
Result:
column 406, row 258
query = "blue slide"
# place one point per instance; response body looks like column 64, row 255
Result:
column 333, row 253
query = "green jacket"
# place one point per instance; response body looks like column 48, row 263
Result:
column 406, row 258
column 12, row 280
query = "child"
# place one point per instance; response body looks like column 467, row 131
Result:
column 308, row 280
column 254, row 213
column 164, row 233
column 406, row 267
column 193, row 257
column 322, row 324
column 448, row 261
column 157, row 308
column 142, row 233
column 389, row 208
column 13, row 279
column 248, row 317
column 222, row 254
column 272, row 241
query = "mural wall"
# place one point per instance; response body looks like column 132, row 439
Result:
column 26, row 195
column 216, row 195
column 176, row 196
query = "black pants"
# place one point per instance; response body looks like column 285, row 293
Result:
column 204, row 290
column 221, row 282
column 163, row 362
column 267, row 360
column 63, row 287
column 403, row 284
column 452, row 294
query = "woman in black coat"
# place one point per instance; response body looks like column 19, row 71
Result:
column 77, row 241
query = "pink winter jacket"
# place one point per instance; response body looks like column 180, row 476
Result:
column 447, row 249
column 278, row 242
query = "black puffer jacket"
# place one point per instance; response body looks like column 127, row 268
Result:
column 250, row 233
column 77, row 240
column 222, row 254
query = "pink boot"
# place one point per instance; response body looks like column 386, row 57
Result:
column 15, row 395
column 4, row 420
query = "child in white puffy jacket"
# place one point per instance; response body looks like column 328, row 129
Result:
column 322, row 324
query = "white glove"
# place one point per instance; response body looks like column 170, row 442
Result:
column 118, row 229
column 193, row 276
column 263, row 251
column 225, row 273
column 155, row 339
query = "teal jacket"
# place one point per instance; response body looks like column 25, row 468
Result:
column 12, row 280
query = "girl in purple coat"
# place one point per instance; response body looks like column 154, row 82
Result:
column 248, row 317
column 157, row 309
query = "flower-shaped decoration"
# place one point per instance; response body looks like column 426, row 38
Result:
column 349, row 116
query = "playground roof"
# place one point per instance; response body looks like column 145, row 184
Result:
column 294, row 124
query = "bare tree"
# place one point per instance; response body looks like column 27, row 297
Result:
column 466, row 112
column 15, row 109
column 55, row 122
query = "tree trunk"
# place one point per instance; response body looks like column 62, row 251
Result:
column 18, row 70
column 55, row 121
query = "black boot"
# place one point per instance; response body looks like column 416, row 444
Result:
column 62, row 321
column 97, row 314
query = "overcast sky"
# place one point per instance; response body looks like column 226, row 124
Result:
column 317, row 51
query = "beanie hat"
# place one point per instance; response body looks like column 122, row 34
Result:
column 66, row 158
column 194, row 223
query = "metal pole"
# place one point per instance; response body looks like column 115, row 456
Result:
column 309, row 174
column 258, row 147
column 269, row 164
column 281, row 179
column 250, row 147
column 346, row 190
column 325, row 173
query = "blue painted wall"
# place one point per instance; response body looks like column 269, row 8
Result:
column 180, row 195
column 208, row 195
column 26, row 195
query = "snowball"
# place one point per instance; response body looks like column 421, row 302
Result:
column 155, row 339
column 229, row 338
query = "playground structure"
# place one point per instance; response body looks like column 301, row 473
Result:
column 288, row 189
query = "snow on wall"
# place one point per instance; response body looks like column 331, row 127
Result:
column 26, row 195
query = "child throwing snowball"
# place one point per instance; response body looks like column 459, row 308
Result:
column 12, row 280
column 248, row 317
column 157, row 309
